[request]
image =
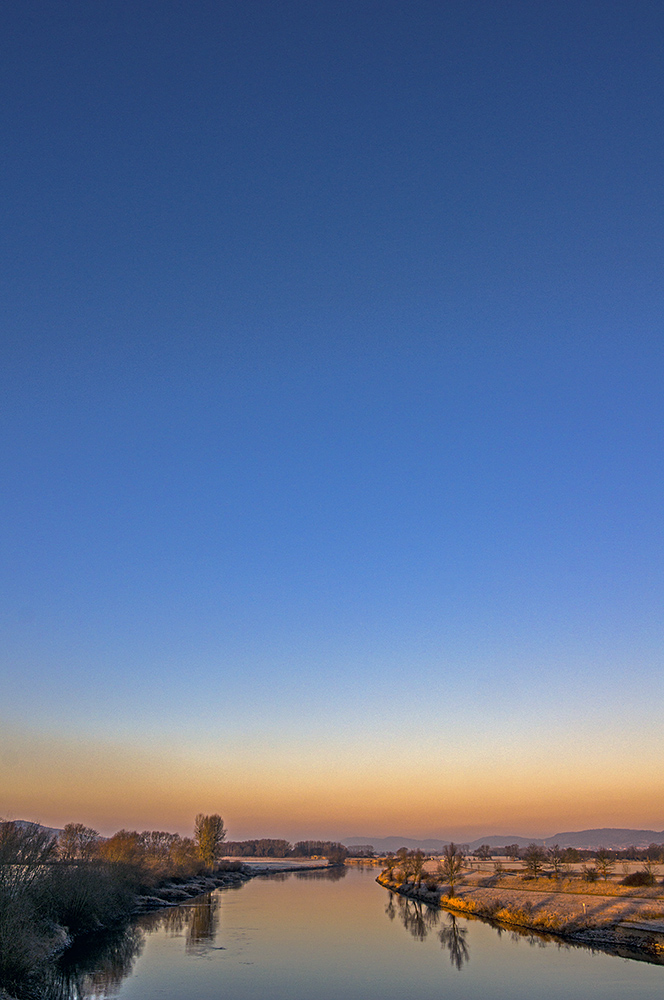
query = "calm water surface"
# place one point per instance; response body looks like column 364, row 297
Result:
column 318, row 936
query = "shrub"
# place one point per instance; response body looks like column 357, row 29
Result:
column 22, row 945
column 87, row 896
column 639, row 878
column 230, row 866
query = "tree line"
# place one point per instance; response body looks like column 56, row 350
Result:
column 156, row 852
column 572, row 855
column 273, row 848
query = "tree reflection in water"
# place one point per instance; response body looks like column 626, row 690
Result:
column 203, row 926
column 419, row 919
column 197, row 920
column 331, row 874
column 453, row 937
column 96, row 970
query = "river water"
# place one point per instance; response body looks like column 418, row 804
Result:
column 333, row 935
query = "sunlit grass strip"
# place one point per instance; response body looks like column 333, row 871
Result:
column 521, row 916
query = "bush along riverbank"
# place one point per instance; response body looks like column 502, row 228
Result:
column 55, row 889
column 564, row 908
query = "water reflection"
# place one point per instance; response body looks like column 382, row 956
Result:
column 453, row 937
column 416, row 917
column 197, row 921
column 419, row 919
column 332, row 874
column 97, row 969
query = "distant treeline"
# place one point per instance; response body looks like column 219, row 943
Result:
column 271, row 848
column 265, row 848
column 571, row 855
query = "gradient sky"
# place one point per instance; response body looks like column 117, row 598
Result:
column 331, row 402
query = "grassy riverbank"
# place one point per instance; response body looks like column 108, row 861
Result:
column 568, row 908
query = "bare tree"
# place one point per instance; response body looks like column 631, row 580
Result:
column 654, row 852
column 183, row 856
column 604, row 862
column 650, row 862
column 209, row 835
column 77, row 842
column 534, row 857
column 417, row 865
column 451, row 865
column 390, row 865
column 124, row 847
column 24, row 849
column 336, row 854
column 403, row 860
column 555, row 859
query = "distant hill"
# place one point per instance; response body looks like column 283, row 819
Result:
column 25, row 822
column 614, row 838
column 384, row 844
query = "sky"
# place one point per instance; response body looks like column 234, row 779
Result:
column 331, row 416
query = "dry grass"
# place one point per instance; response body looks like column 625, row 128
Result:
column 570, row 886
column 650, row 914
column 564, row 906
column 505, row 913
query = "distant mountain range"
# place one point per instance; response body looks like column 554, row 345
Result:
column 613, row 838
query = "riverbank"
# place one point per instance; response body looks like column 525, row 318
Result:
column 569, row 908
column 175, row 892
column 172, row 893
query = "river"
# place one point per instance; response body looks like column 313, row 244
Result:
column 337, row 934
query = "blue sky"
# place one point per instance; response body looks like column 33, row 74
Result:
column 331, row 411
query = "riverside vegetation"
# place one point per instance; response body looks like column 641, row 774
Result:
column 55, row 889
column 547, row 893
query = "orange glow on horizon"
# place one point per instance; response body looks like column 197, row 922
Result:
column 111, row 787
